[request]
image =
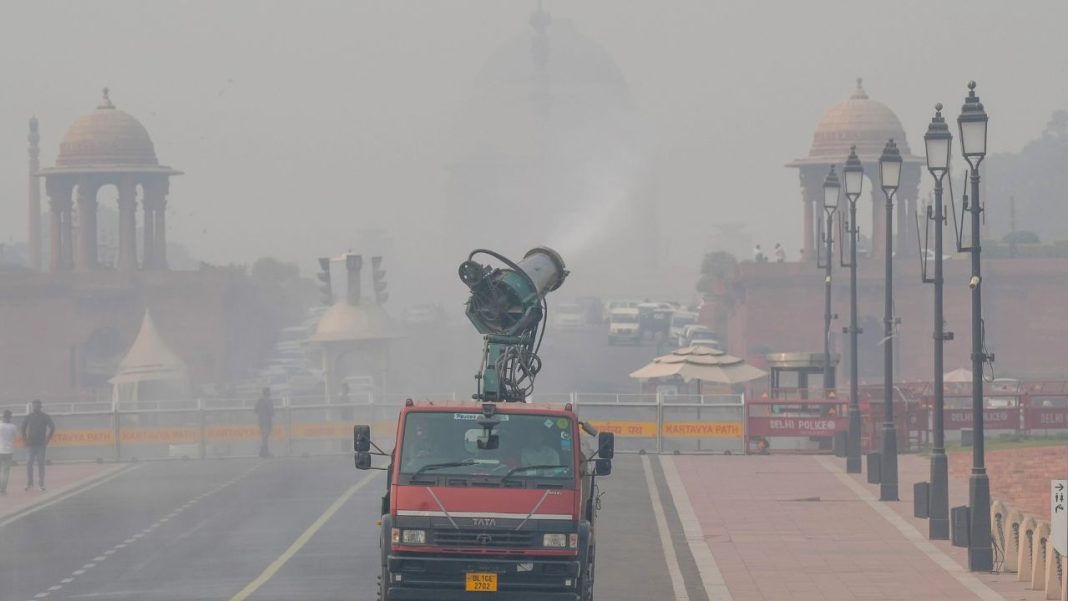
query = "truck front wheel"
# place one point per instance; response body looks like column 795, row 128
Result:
column 383, row 585
column 586, row 582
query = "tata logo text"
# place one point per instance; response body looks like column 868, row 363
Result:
column 485, row 522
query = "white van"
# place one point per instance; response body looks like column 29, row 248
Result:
column 623, row 325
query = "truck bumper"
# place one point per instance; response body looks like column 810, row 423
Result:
column 443, row 578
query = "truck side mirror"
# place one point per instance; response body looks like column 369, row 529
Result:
column 606, row 445
column 363, row 460
column 361, row 439
column 603, row 467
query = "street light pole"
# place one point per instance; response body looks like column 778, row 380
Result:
column 831, row 195
column 854, row 181
column 938, row 142
column 890, row 178
column 973, row 124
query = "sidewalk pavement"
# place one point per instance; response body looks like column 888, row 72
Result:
column 792, row 527
column 61, row 479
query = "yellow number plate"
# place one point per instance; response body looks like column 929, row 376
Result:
column 481, row 582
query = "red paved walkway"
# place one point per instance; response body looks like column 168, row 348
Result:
column 60, row 478
column 786, row 527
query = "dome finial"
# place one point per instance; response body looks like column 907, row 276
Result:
column 106, row 102
column 859, row 93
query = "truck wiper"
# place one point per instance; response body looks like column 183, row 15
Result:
column 524, row 468
column 438, row 466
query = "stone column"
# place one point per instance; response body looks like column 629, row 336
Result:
column 127, row 260
column 161, row 233
column 86, row 258
column 811, row 201
column 59, row 194
column 148, row 246
column 907, row 196
column 34, row 205
column 878, row 211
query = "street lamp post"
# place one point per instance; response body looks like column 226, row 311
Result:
column 972, row 122
column 854, row 183
column 890, row 178
column 831, row 194
column 938, row 141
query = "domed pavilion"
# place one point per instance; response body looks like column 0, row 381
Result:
column 867, row 124
column 104, row 147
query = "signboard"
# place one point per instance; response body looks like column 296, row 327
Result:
column 797, row 426
column 1047, row 418
column 993, row 419
column 626, row 429
column 1058, row 515
column 703, row 429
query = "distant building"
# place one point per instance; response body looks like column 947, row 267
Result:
column 550, row 150
column 66, row 323
column 776, row 307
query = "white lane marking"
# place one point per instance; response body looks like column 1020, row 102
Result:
column 302, row 540
column 66, row 581
column 906, row 529
column 148, row 530
column 674, row 571
column 711, row 578
column 115, row 474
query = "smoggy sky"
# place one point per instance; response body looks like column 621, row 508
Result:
column 300, row 123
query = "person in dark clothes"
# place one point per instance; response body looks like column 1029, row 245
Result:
column 265, row 413
column 37, row 431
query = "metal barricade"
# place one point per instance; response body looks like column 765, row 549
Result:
column 702, row 424
column 634, row 419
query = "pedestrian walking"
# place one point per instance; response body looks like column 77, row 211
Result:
column 780, row 253
column 37, row 431
column 8, row 432
column 758, row 254
column 265, row 413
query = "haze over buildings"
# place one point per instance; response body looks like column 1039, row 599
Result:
column 300, row 124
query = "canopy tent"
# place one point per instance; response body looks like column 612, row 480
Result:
column 959, row 375
column 700, row 363
column 150, row 370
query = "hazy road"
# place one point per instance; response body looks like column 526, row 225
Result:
column 286, row 528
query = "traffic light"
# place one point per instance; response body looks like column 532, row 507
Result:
column 378, row 277
column 326, row 289
column 353, row 264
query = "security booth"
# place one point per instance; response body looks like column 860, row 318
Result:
column 792, row 416
column 792, row 371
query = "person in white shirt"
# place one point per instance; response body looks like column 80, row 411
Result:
column 8, row 431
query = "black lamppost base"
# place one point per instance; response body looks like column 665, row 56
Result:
column 888, row 464
column 980, row 547
column 938, row 508
column 853, row 442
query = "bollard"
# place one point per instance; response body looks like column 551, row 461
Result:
column 1012, row 540
column 959, row 520
column 840, row 444
column 967, row 437
column 1038, row 556
column 1052, row 584
column 874, row 467
column 921, row 499
column 997, row 524
column 1027, row 535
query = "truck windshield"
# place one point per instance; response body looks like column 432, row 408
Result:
column 440, row 443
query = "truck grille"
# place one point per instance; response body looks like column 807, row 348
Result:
column 491, row 539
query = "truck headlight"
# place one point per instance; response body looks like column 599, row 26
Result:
column 413, row 537
column 554, row 541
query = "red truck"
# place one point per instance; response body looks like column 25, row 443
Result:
column 489, row 502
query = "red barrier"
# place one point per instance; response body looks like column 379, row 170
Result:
column 797, row 426
column 993, row 419
column 1046, row 418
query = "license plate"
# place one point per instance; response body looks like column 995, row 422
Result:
column 481, row 582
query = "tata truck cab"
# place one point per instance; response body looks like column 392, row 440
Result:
column 489, row 502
